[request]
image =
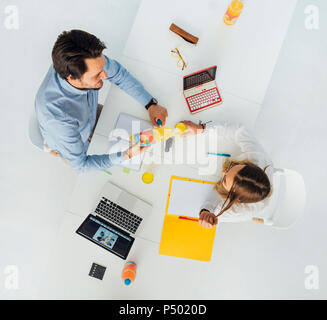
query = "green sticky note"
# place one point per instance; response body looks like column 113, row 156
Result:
column 126, row 170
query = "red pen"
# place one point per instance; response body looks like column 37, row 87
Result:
column 186, row 218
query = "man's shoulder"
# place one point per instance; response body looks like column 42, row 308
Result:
column 50, row 97
column 49, row 88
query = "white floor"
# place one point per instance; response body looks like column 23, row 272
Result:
column 35, row 187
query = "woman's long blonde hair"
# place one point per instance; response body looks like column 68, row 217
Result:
column 251, row 184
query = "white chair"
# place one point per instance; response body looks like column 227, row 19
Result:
column 34, row 132
column 288, row 199
column 36, row 136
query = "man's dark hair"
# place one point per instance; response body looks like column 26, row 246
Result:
column 70, row 50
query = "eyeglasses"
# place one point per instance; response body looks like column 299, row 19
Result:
column 181, row 64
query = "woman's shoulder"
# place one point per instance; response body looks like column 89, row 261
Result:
column 242, row 212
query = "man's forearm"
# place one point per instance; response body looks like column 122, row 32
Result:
column 124, row 80
column 96, row 162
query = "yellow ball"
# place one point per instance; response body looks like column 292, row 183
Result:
column 147, row 177
column 181, row 127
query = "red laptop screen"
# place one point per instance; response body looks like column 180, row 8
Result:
column 201, row 77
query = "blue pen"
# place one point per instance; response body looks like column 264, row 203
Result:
column 159, row 123
column 219, row 154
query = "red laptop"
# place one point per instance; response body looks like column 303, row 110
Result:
column 200, row 90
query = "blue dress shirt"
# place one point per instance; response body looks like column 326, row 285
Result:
column 67, row 115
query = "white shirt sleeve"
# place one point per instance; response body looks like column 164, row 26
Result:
column 212, row 201
column 251, row 151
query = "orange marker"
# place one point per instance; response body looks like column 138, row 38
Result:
column 129, row 272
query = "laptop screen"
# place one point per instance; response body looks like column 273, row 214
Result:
column 106, row 236
column 199, row 78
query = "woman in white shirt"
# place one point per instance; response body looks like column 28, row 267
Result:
column 243, row 192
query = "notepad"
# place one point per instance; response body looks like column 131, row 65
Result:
column 187, row 196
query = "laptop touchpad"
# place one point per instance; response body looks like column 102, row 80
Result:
column 126, row 200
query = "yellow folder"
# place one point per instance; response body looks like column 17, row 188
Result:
column 185, row 238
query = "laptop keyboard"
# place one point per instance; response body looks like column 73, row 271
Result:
column 203, row 99
column 120, row 216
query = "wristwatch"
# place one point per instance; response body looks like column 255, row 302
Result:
column 203, row 210
column 203, row 125
column 151, row 102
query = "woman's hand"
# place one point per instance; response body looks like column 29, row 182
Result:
column 191, row 128
column 134, row 150
column 207, row 219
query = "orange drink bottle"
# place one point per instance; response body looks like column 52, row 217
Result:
column 233, row 12
column 129, row 272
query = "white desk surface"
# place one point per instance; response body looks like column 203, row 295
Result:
column 167, row 88
column 158, row 276
column 245, row 53
column 88, row 187
column 74, row 256
column 242, row 83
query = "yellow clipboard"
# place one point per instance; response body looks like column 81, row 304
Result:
column 185, row 238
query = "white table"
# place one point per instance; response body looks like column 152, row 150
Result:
column 242, row 83
column 245, row 53
column 158, row 277
column 167, row 88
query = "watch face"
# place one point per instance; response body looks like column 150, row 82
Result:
column 154, row 101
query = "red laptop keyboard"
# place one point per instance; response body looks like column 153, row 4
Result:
column 203, row 100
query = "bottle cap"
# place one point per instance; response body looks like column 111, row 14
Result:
column 127, row 281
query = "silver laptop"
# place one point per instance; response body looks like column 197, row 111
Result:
column 122, row 209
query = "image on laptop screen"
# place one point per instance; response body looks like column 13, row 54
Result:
column 199, row 78
column 106, row 236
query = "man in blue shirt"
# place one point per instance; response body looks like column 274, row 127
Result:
column 67, row 102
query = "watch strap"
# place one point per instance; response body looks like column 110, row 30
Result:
column 151, row 102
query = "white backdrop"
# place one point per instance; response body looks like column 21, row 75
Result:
column 35, row 187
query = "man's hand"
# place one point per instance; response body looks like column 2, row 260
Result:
column 207, row 219
column 157, row 112
column 134, row 150
column 191, row 128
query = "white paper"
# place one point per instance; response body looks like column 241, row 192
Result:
column 187, row 197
